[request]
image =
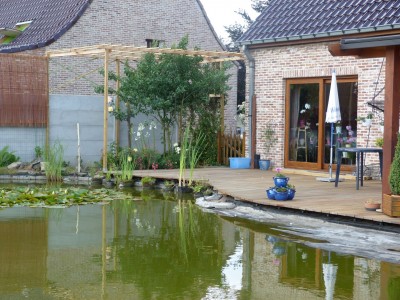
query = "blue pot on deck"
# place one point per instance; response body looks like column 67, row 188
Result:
column 282, row 196
column 281, row 181
column 291, row 193
column 271, row 193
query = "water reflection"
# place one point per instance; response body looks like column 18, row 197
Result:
column 154, row 248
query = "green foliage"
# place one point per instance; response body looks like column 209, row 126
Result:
column 269, row 137
column 379, row 142
column 281, row 189
column 148, row 181
column 54, row 156
column 394, row 175
column 38, row 152
column 7, row 157
column 196, row 148
column 44, row 196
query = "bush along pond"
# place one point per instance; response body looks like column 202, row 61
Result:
column 282, row 190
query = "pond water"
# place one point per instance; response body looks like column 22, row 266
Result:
column 159, row 247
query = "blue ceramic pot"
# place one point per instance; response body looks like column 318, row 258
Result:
column 271, row 193
column 281, row 181
column 264, row 164
column 281, row 195
column 291, row 193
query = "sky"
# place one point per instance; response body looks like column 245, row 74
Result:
column 222, row 13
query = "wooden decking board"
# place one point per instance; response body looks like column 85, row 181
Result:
column 311, row 195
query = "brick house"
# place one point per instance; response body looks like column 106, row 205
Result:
column 290, row 68
column 47, row 25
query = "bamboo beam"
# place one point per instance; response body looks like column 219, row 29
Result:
column 105, row 120
column 135, row 53
column 391, row 114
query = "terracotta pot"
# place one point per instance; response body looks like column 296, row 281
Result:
column 372, row 206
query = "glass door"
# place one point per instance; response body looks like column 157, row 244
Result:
column 303, row 113
column 308, row 137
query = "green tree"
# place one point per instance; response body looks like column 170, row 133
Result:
column 173, row 88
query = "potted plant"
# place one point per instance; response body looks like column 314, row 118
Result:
column 338, row 126
column 291, row 191
column 270, row 140
column 281, row 193
column 391, row 202
column 280, row 180
column 372, row 205
column 366, row 121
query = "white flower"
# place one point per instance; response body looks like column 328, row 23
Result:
column 140, row 127
column 177, row 149
column 110, row 109
column 129, row 158
column 138, row 133
column 307, row 106
column 176, row 145
column 302, row 111
column 135, row 150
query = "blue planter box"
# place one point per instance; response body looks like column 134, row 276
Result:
column 239, row 162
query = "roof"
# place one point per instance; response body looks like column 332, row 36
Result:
column 50, row 20
column 286, row 20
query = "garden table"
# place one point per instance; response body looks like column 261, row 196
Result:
column 359, row 162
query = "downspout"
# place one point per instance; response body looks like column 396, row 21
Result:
column 252, row 73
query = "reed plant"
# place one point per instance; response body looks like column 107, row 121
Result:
column 127, row 167
column 54, row 156
column 183, row 157
column 196, row 149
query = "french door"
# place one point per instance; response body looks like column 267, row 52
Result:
column 308, row 139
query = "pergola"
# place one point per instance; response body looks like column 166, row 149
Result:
column 388, row 47
column 120, row 53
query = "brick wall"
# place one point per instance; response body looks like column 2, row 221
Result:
column 131, row 23
column 275, row 65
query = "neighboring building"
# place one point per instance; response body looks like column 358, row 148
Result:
column 61, row 24
column 288, row 44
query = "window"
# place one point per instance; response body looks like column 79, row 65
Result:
column 10, row 34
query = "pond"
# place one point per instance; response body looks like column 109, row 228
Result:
column 160, row 247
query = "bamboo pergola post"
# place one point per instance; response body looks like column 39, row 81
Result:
column 105, row 120
column 117, row 122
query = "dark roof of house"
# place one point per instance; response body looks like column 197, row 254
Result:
column 50, row 20
column 285, row 20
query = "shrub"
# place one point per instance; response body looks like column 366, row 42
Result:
column 7, row 157
column 394, row 175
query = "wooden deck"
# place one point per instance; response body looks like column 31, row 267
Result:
column 311, row 195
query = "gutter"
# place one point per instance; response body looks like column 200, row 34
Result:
column 252, row 73
column 312, row 36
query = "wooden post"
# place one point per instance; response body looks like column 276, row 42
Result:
column 117, row 122
column 391, row 115
column 105, row 119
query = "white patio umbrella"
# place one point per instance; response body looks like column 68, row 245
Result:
column 332, row 116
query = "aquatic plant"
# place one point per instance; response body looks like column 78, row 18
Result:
column 54, row 156
column 196, row 149
column 45, row 196
column 148, row 181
